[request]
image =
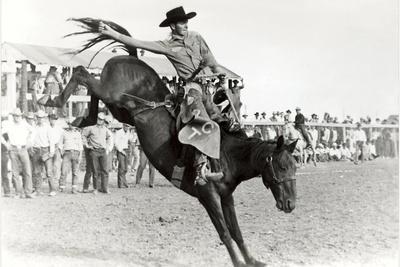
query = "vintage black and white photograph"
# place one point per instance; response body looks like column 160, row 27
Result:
column 184, row 133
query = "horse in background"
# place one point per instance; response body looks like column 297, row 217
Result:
column 135, row 94
column 301, row 152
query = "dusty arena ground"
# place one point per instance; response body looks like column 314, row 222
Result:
column 346, row 215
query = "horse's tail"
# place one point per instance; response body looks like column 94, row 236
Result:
column 91, row 26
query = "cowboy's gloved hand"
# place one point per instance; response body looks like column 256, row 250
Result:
column 107, row 30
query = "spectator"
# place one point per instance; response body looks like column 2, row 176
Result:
column 5, row 181
column 360, row 138
column 53, row 86
column 99, row 140
column 56, row 133
column 134, row 150
column 42, row 153
column 71, row 147
column 142, row 165
column 88, row 165
column 122, row 140
column 17, row 134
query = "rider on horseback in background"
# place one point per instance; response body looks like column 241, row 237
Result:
column 299, row 124
column 189, row 54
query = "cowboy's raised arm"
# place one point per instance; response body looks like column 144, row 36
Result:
column 154, row 47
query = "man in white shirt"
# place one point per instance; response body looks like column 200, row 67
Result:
column 360, row 138
column 18, row 133
column 122, row 139
column 56, row 133
column 43, row 151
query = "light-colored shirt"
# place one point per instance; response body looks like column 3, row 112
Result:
column 122, row 140
column 359, row 135
column 97, row 137
column 184, row 52
column 56, row 133
column 71, row 140
column 42, row 136
column 18, row 133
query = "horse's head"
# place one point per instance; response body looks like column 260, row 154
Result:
column 278, row 174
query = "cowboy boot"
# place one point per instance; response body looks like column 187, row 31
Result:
column 203, row 173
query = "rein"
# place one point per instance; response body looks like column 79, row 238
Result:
column 147, row 105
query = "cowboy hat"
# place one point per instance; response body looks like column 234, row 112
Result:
column 175, row 15
column 16, row 112
column 297, row 108
column 30, row 115
column 41, row 114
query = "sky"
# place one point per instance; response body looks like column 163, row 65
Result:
column 340, row 57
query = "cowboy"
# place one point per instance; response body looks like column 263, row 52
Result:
column 71, row 147
column 98, row 139
column 360, row 139
column 56, row 133
column 42, row 154
column 299, row 124
column 18, row 133
column 123, row 137
column 189, row 54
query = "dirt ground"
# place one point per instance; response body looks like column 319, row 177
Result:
column 346, row 215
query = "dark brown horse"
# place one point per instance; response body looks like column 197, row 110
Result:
column 241, row 158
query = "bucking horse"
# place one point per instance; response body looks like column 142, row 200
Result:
column 134, row 94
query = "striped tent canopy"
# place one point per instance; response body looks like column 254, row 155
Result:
column 38, row 55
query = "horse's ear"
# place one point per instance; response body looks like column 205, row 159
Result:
column 280, row 142
column 292, row 146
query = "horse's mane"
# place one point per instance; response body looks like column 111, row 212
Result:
column 244, row 148
column 91, row 26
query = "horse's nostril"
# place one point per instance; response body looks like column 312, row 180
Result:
column 290, row 204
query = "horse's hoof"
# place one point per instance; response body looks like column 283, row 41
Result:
column 43, row 100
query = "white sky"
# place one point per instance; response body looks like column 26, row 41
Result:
column 338, row 56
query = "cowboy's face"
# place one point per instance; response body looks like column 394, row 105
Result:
column 180, row 27
column 100, row 122
column 30, row 121
column 16, row 118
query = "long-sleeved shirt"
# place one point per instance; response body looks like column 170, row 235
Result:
column 56, row 133
column 71, row 140
column 122, row 140
column 359, row 135
column 18, row 133
column 42, row 137
column 97, row 137
column 184, row 52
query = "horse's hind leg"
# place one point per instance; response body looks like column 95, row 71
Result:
column 210, row 199
column 228, row 209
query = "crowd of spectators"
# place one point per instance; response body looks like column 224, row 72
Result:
column 349, row 141
column 40, row 148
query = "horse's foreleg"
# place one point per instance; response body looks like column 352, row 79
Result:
column 228, row 209
column 211, row 201
column 60, row 100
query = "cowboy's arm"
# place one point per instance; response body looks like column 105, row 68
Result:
column 154, row 47
column 208, row 57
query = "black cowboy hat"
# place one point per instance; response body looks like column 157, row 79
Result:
column 175, row 15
